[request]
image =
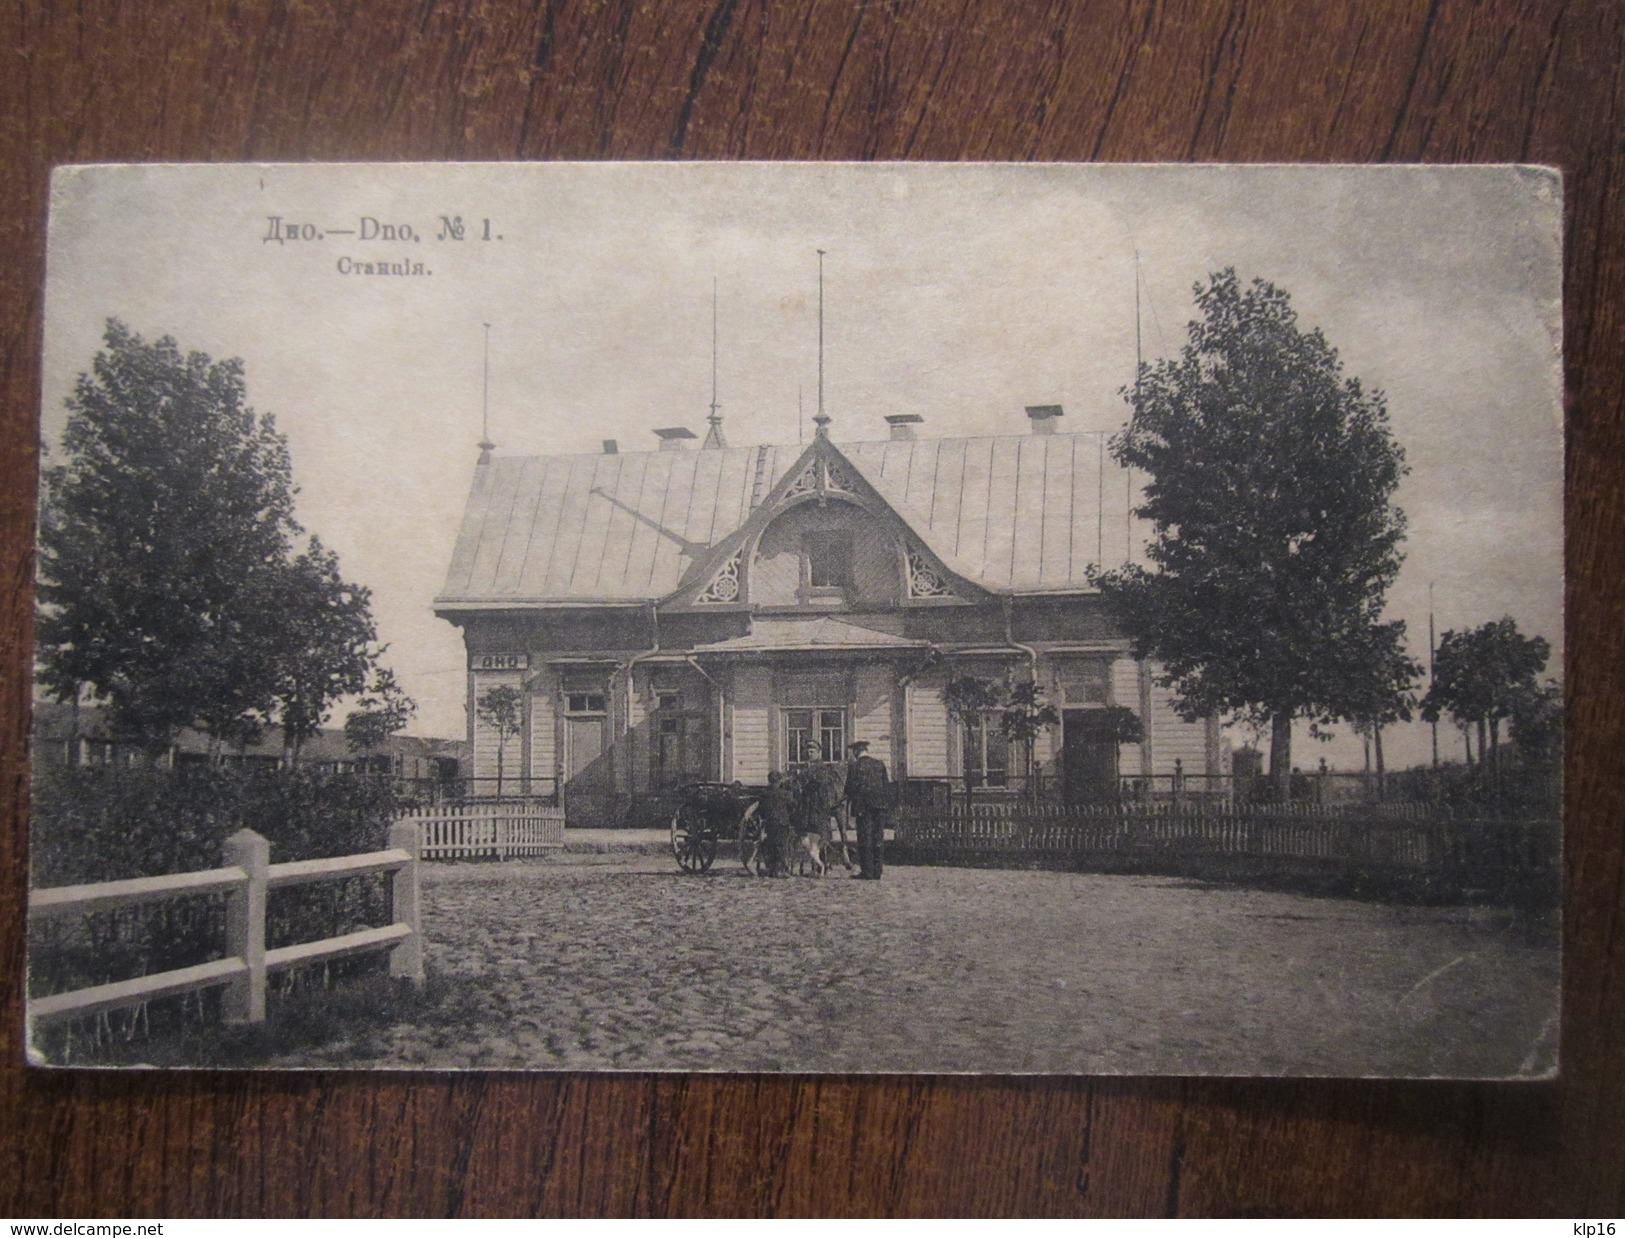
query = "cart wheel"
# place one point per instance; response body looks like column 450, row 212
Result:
column 750, row 831
column 691, row 844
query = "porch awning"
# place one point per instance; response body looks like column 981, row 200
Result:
column 802, row 634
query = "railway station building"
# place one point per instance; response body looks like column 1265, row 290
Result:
column 710, row 613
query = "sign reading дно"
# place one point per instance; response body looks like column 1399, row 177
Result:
column 501, row 662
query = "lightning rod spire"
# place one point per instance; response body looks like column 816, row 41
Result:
column 486, row 445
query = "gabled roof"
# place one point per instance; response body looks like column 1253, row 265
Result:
column 1011, row 513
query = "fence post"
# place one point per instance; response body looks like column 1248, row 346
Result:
column 244, row 1000
column 406, row 959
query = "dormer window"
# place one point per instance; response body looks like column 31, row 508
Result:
column 827, row 562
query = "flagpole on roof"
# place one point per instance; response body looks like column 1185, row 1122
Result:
column 486, row 445
column 713, row 437
column 820, row 418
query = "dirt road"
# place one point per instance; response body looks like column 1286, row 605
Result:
column 620, row 962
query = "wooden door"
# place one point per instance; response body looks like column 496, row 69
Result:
column 1088, row 757
column 586, row 772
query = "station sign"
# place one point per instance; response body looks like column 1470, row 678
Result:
column 501, row 662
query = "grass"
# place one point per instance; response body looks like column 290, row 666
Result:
column 351, row 1016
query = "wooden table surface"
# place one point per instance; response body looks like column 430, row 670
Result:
column 1379, row 80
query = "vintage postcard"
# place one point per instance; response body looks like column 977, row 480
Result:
column 801, row 617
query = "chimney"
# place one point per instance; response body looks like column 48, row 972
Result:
column 902, row 424
column 611, row 447
column 1044, row 417
column 671, row 438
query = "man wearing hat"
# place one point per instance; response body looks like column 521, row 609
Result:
column 868, row 792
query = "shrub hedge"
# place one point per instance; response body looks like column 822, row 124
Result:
column 93, row 824
column 99, row 823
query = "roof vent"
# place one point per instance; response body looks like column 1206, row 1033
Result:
column 1044, row 417
column 902, row 424
column 611, row 447
column 671, row 438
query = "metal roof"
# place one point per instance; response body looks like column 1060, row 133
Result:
column 1010, row 512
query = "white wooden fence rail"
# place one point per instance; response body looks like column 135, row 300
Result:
column 245, row 878
column 494, row 829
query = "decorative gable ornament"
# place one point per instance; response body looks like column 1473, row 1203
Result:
column 821, row 477
column 724, row 585
column 924, row 581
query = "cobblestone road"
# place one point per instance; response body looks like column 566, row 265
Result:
column 621, row 962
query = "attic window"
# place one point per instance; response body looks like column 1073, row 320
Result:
column 828, row 558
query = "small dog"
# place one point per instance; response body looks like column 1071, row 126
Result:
column 810, row 853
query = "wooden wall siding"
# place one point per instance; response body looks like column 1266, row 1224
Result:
column 755, row 738
column 483, row 754
column 1393, row 80
column 927, row 722
column 874, row 689
column 1174, row 739
column 1125, row 683
column 544, row 756
column 1125, row 691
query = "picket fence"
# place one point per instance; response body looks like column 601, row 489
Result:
column 1436, row 850
column 489, row 829
column 245, row 878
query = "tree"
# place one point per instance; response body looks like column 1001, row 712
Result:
column 169, row 585
column 326, row 643
column 1122, row 724
column 503, row 710
column 384, row 710
column 1484, row 675
column 1537, row 723
column 1380, row 694
column 1016, row 710
column 1274, row 538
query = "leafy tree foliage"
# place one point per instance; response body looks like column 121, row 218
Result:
column 383, row 711
column 1123, row 724
column 1270, row 480
column 1488, row 674
column 326, row 643
column 1537, row 723
column 1017, row 708
column 170, row 583
column 1380, row 694
column 503, row 710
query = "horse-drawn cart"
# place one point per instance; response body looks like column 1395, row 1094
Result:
column 709, row 814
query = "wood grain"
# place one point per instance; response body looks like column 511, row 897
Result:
column 1537, row 80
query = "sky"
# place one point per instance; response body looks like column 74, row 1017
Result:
column 958, row 292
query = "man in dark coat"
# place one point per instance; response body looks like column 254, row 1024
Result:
column 868, row 792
